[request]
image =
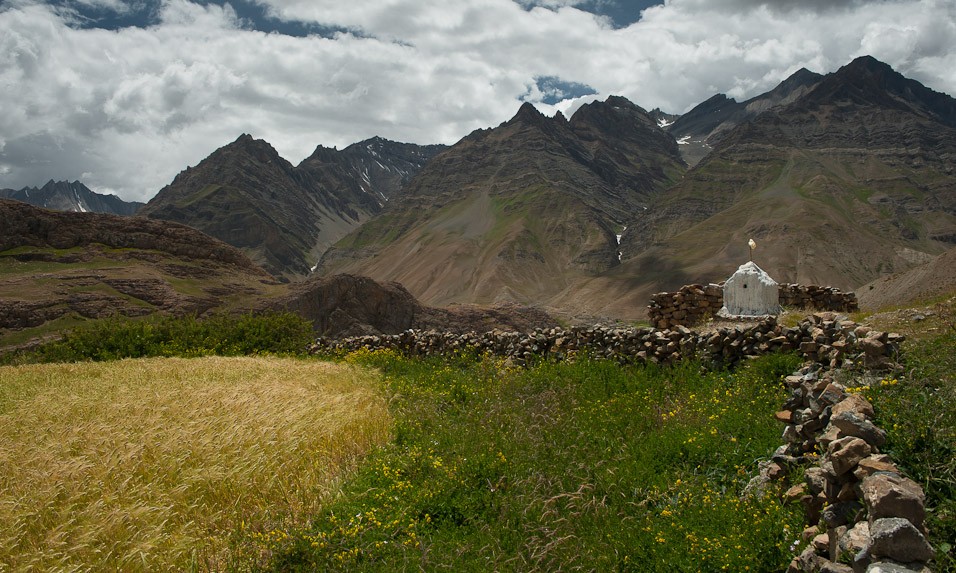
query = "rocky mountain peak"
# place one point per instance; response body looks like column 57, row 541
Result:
column 71, row 196
column 612, row 110
column 622, row 103
column 621, row 120
column 529, row 115
column 798, row 84
column 258, row 149
column 867, row 81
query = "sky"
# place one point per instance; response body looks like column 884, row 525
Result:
column 123, row 95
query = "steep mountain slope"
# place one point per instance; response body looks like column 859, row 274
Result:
column 934, row 278
column 851, row 180
column 66, row 196
column 283, row 216
column 377, row 168
column 700, row 128
column 522, row 212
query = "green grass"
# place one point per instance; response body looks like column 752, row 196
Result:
column 11, row 267
column 562, row 466
column 575, row 465
column 918, row 408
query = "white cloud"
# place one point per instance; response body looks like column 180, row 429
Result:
column 131, row 108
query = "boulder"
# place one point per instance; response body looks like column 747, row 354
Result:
column 844, row 454
column 871, row 465
column 888, row 567
column 897, row 539
column 853, row 403
column 854, row 540
column 888, row 494
column 853, row 424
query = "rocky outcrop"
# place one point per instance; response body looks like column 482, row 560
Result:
column 348, row 305
column 77, row 266
column 25, row 225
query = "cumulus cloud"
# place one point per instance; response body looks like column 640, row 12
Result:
column 128, row 109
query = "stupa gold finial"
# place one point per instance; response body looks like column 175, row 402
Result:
column 753, row 246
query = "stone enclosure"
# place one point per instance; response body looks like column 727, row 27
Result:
column 695, row 304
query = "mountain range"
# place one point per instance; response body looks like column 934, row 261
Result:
column 285, row 216
column 851, row 180
column 75, row 196
column 839, row 178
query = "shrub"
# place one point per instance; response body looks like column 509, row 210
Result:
column 223, row 335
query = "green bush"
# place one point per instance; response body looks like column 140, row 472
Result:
column 224, row 335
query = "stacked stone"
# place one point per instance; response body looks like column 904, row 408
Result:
column 820, row 338
column 817, row 298
column 694, row 304
column 690, row 305
column 861, row 510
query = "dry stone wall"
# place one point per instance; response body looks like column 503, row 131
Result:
column 694, row 304
column 862, row 514
column 824, row 338
column 817, row 298
column 691, row 305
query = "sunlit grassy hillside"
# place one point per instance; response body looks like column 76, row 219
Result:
column 161, row 464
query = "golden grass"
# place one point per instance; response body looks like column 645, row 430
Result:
column 164, row 464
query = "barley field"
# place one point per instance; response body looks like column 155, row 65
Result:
column 167, row 464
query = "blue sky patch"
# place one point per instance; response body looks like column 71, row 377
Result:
column 622, row 13
column 556, row 90
column 144, row 13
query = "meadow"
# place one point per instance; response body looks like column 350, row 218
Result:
column 373, row 461
column 562, row 466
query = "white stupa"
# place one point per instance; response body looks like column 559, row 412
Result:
column 750, row 292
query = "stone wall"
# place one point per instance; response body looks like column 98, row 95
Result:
column 694, row 304
column 821, row 338
column 862, row 514
column 817, row 298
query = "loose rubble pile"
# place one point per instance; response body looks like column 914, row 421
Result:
column 694, row 304
column 821, row 338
